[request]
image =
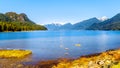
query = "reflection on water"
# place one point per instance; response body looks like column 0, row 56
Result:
column 57, row 44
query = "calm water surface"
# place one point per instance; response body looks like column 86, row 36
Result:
column 59, row 44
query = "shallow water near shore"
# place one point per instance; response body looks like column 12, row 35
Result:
column 47, row 45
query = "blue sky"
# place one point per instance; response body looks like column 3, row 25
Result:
column 61, row 11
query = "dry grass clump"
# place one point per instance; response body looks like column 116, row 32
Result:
column 14, row 53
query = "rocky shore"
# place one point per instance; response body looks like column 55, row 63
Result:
column 108, row 59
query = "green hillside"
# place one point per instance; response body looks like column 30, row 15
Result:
column 12, row 21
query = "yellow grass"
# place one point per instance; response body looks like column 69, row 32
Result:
column 14, row 53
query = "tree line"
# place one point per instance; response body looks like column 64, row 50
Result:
column 19, row 26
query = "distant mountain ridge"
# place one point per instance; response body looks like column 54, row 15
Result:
column 110, row 24
column 78, row 26
column 85, row 24
column 53, row 26
column 92, row 24
column 67, row 26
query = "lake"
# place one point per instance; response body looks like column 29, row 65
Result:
column 60, row 44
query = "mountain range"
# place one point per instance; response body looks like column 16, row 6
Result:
column 85, row 24
column 54, row 26
column 110, row 24
column 12, row 21
column 78, row 26
column 90, row 24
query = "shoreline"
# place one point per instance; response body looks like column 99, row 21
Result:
column 107, row 58
column 85, row 59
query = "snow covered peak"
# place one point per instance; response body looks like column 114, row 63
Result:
column 56, row 24
column 103, row 18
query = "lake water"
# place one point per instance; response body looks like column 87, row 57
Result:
column 60, row 44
